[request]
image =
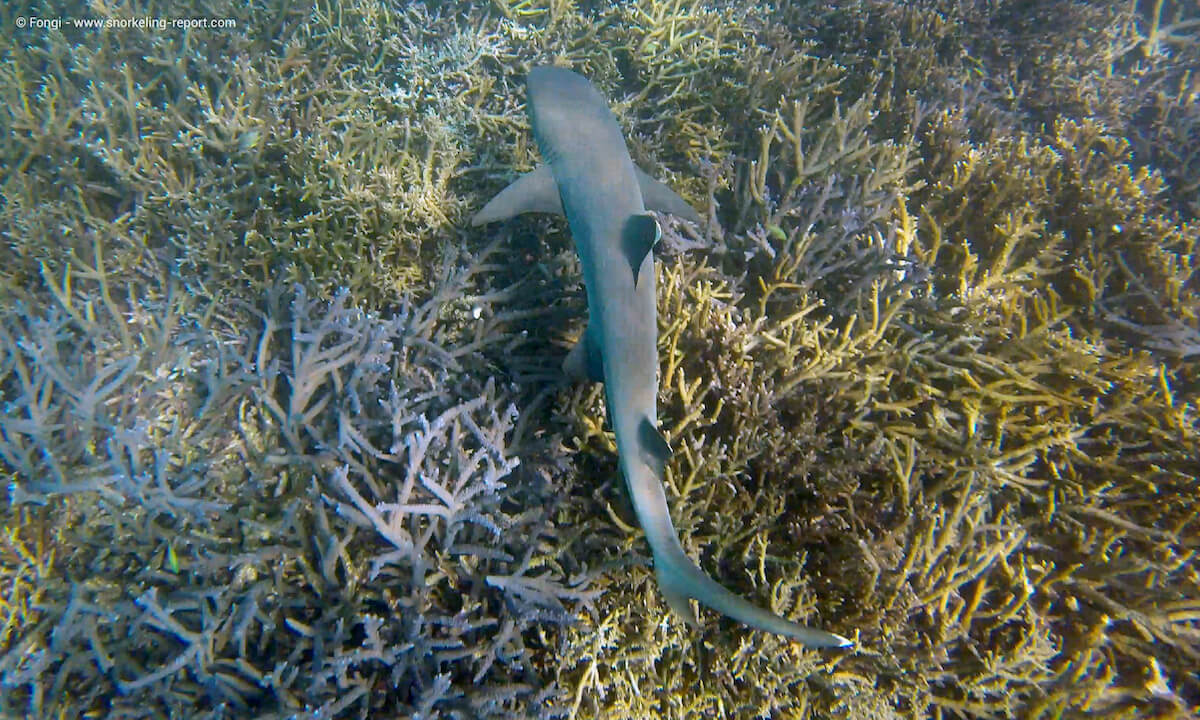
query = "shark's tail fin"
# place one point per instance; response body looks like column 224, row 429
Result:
column 680, row 579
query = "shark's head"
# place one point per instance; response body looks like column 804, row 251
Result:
column 565, row 108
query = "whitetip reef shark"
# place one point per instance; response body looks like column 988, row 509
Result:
column 589, row 176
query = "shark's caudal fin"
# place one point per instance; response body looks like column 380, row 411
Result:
column 680, row 579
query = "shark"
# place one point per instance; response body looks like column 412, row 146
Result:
column 589, row 177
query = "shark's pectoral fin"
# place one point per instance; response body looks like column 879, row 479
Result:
column 584, row 361
column 653, row 443
column 659, row 197
column 532, row 192
column 638, row 238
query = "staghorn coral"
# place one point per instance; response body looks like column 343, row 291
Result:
column 952, row 363
column 273, row 519
column 935, row 351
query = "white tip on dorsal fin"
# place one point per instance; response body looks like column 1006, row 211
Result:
column 532, row 192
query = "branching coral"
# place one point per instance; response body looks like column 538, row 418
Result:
column 928, row 373
column 282, row 516
column 1044, row 419
column 989, row 429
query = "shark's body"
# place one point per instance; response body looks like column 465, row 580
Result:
column 590, row 177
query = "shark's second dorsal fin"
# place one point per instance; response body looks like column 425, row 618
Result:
column 532, row 192
column 653, row 443
column 638, row 238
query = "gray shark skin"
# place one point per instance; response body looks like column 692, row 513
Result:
column 590, row 178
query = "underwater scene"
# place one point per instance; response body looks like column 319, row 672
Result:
column 291, row 422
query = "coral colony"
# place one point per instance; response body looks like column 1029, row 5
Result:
column 284, row 436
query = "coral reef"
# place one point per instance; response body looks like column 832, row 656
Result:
column 290, row 507
column 282, row 439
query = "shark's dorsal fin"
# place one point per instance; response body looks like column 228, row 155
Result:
column 659, row 197
column 638, row 239
column 653, row 442
column 532, row 192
